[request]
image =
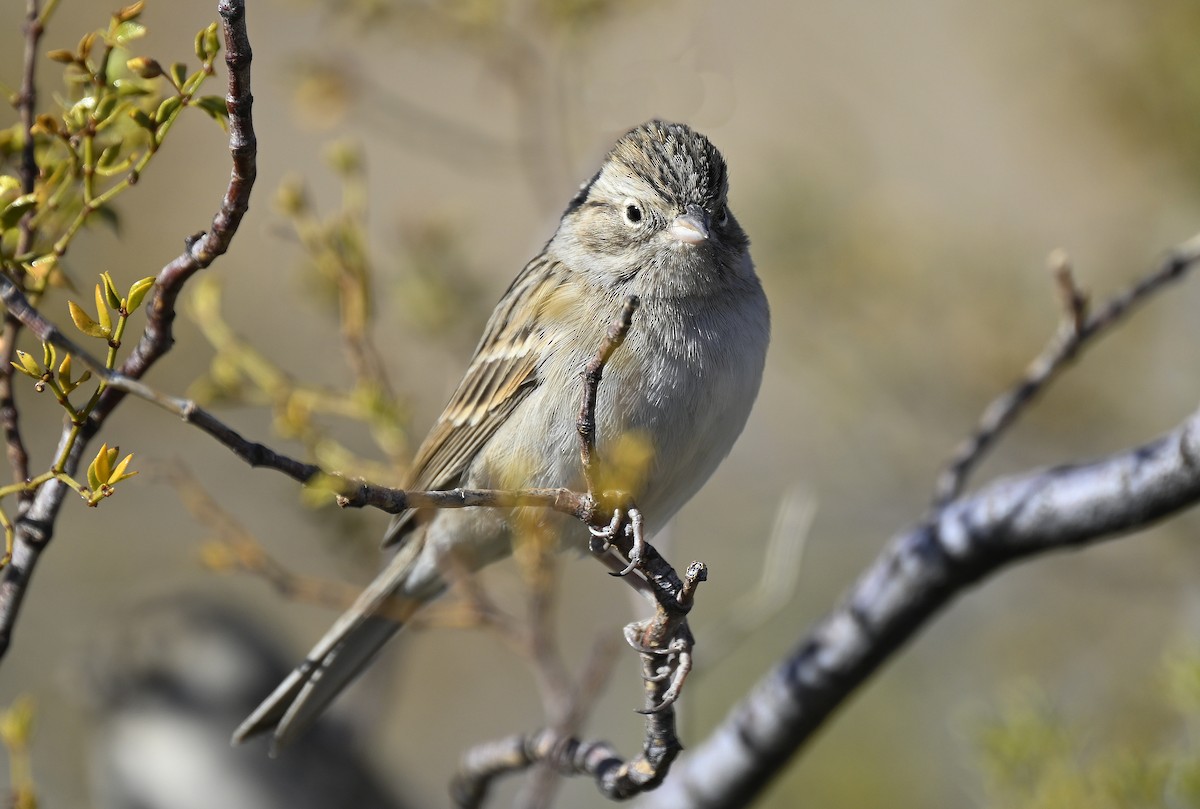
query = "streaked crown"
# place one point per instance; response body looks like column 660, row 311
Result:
column 680, row 163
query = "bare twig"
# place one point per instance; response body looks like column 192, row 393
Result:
column 1071, row 298
column 202, row 249
column 1078, row 331
column 592, row 374
column 572, row 709
column 35, row 527
column 232, row 546
column 616, row 778
column 18, row 455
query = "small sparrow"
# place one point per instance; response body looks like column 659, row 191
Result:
column 653, row 222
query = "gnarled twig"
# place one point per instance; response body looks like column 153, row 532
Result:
column 35, row 527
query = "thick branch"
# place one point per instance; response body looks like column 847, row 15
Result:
column 919, row 573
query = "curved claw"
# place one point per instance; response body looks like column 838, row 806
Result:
column 637, row 552
column 602, row 537
column 610, row 530
column 682, row 669
column 634, row 561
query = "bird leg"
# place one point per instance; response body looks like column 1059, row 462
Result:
column 637, row 550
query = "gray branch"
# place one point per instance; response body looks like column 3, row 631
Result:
column 920, row 572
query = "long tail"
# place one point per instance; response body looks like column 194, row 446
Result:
column 339, row 656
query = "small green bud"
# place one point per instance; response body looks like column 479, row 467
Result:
column 144, row 67
column 178, row 74
column 110, row 292
column 130, row 12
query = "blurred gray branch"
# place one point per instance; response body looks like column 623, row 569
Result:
column 919, row 572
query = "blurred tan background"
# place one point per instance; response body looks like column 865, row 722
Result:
column 903, row 171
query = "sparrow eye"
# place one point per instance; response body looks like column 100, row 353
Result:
column 721, row 217
column 633, row 213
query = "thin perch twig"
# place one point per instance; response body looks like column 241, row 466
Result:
column 1076, row 333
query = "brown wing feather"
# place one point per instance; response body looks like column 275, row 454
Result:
column 500, row 376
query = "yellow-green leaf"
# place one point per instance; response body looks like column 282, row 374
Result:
column 85, row 46
column 93, row 472
column 131, row 87
column 84, row 322
column 143, row 120
column 103, row 463
column 167, row 108
column 144, row 67
column 119, row 473
column 126, row 32
column 137, row 293
column 110, row 291
column 16, row 723
column 178, row 74
column 216, row 108
column 105, row 108
column 194, row 81
column 108, row 157
column 13, row 212
column 60, row 55
column 130, row 12
column 27, row 365
column 105, row 318
column 212, row 43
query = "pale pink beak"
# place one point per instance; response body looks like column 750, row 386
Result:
column 689, row 228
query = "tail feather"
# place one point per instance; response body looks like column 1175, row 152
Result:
column 340, row 656
column 339, row 668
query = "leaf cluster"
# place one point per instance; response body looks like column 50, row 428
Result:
column 65, row 169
